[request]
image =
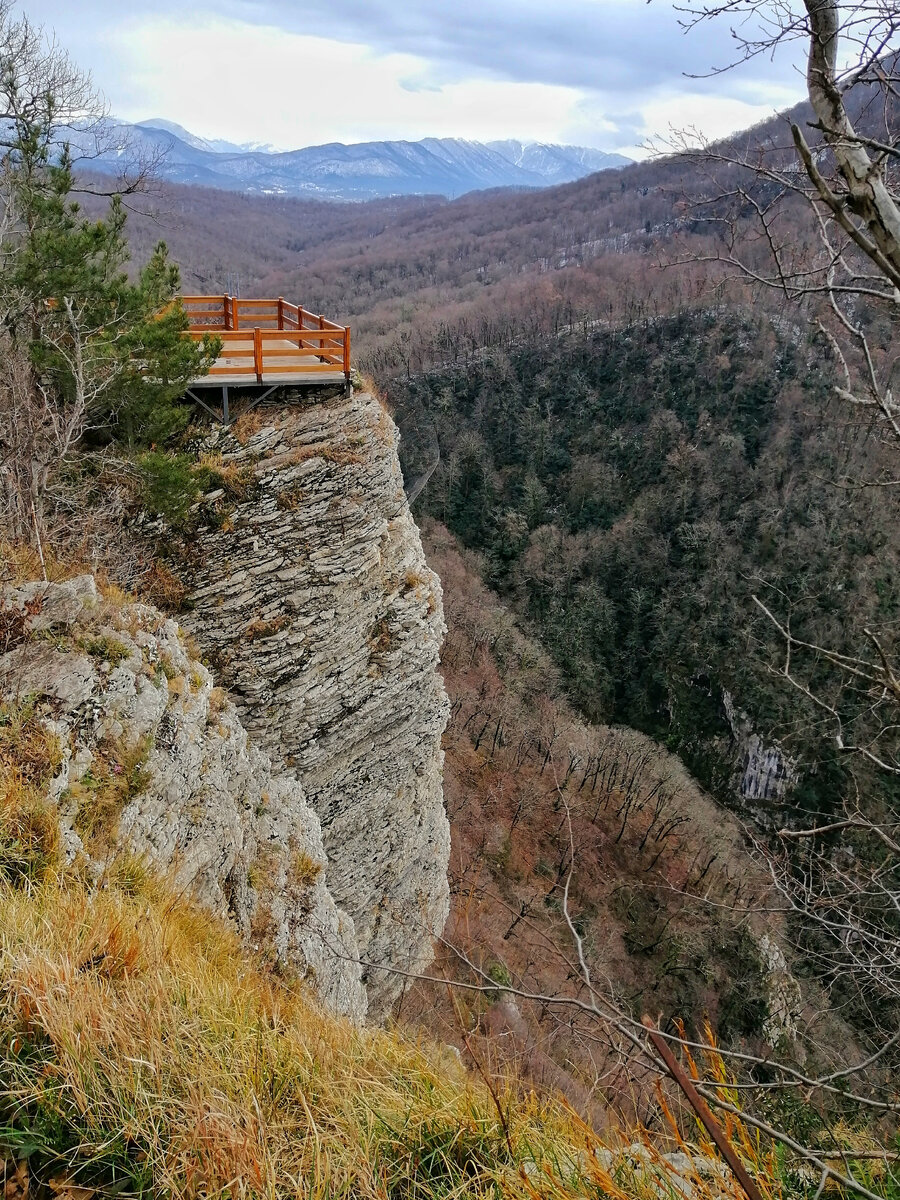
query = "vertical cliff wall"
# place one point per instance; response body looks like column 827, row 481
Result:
column 765, row 775
column 312, row 598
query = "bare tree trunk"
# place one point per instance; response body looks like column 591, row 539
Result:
column 868, row 197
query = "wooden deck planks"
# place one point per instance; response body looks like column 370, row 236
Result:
column 311, row 348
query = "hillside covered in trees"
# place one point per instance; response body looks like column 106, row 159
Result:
column 423, row 280
column 631, row 489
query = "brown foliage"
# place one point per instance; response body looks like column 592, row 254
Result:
column 650, row 848
column 423, row 281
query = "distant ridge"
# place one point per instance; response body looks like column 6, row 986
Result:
column 214, row 145
column 557, row 163
column 360, row 171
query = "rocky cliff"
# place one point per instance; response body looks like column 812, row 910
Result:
column 765, row 775
column 311, row 597
column 142, row 761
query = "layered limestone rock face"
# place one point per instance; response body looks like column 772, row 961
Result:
column 311, row 595
column 153, row 761
column 766, row 773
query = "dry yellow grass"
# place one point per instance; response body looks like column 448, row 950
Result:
column 21, row 563
column 29, row 757
column 141, row 1048
column 252, row 422
column 140, row 1045
column 237, row 479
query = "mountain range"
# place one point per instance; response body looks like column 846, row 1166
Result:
column 362, row 171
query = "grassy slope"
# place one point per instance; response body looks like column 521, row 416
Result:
column 142, row 1046
column 144, row 1053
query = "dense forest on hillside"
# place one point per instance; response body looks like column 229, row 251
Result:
column 658, row 873
column 417, row 278
column 630, row 490
column 422, row 278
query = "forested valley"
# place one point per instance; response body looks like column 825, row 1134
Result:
column 629, row 490
column 667, row 574
column 643, row 453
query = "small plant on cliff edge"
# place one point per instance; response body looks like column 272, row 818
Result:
column 106, row 648
column 117, row 774
column 381, row 637
column 305, row 870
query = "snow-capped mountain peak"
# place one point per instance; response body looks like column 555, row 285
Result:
column 362, row 170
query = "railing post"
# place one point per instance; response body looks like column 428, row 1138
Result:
column 347, row 354
column 281, row 312
column 258, row 353
column 225, row 311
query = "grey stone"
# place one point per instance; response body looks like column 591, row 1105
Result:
column 348, row 693
column 766, row 772
column 40, row 668
column 59, row 603
column 210, row 810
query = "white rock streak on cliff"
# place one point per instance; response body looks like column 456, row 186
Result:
column 313, row 598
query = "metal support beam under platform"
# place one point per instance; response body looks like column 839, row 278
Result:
column 225, row 415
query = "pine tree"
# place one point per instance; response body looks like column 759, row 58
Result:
column 88, row 355
column 96, row 339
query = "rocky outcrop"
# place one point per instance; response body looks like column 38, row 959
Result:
column 766, row 773
column 784, row 1000
column 152, row 760
column 311, row 595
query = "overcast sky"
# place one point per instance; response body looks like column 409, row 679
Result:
column 603, row 73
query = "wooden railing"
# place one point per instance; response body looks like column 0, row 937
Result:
column 264, row 340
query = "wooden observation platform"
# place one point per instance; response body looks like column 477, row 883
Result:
column 266, row 344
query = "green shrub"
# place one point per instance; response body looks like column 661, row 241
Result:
column 170, row 485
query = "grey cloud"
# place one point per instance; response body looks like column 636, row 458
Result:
column 604, row 46
column 629, row 129
column 599, row 45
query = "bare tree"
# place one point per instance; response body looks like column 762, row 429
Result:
column 39, row 83
column 840, row 875
column 37, row 436
column 815, row 216
column 43, row 89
